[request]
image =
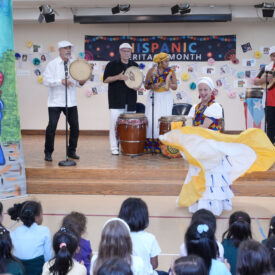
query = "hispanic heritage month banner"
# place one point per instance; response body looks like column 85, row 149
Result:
column 12, row 168
column 181, row 48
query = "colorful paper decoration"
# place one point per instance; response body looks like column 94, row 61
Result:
column 40, row 79
column 257, row 54
column 29, row 44
column 88, row 93
column 185, row 76
column 211, row 61
column 1, row 78
column 17, row 56
column 240, row 74
column 193, row 86
column 232, row 94
column 36, row 61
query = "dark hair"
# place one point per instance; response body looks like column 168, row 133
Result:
column 190, row 265
column 205, row 216
column 75, row 222
column 270, row 244
column 200, row 240
column 271, row 231
column 239, row 228
column 5, row 249
column 135, row 212
column 26, row 212
column 253, row 259
column 65, row 244
column 115, row 266
column 1, row 210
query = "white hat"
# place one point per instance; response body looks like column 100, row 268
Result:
column 271, row 50
column 208, row 81
column 125, row 46
column 64, row 44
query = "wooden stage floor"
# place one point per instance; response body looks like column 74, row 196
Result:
column 98, row 172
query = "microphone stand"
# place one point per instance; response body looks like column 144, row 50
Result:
column 66, row 162
column 265, row 111
column 153, row 116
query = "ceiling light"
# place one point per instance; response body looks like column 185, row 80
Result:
column 119, row 8
column 181, row 8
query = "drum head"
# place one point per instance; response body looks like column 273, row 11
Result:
column 80, row 70
column 172, row 118
column 135, row 77
column 132, row 116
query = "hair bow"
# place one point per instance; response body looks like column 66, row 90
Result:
column 202, row 228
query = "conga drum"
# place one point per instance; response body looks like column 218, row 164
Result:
column 80, row 70
column 254, row 92
column 165, row 125
column 131, row 131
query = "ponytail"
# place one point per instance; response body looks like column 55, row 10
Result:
column 65, row 244
column 26, row 212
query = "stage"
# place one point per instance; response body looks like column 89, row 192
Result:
column 99, row 172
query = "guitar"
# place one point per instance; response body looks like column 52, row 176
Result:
column 272, row 82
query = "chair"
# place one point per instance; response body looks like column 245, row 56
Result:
column 181, row 108
column 140, row 108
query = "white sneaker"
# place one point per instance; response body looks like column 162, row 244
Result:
column 115, row 152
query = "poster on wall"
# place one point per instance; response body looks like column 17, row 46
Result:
column 12, row 168
column 180, row 48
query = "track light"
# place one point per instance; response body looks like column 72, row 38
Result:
column 47, row 13
column 181, row 8
column 267, row 8
column 119, row 8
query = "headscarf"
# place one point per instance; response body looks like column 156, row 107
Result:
column 208, row 81
column 160, row 57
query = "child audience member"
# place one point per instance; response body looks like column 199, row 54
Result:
column 115, row 266
column 270, row 244
column 76, row 222
column 65, row 244
column 134, row 212
column 271, row 229
column 31, row 241
column 8, row 263
column 189, row 265
column 205, row 216
column 253, row 259
column 200, row 240
column 116, row 242
column 239, row 230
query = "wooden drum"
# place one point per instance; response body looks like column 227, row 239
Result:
column 131, row 130
column 165, row 125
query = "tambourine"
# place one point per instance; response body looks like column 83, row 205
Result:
column 135, row 77
column 80, row 70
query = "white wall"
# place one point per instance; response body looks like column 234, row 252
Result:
column 93, row 111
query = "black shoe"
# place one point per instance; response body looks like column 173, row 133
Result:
column 73, row 155
column 48, row 156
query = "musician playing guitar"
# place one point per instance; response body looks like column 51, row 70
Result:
column 268, row 74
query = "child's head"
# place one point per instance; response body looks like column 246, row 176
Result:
column 239, row 228
column 115, row 241
column 76, row 222
column 271, row 231
column 5, row 248
column 205, row 216
column 65, row 244
column 200, row 240
column 270, row 244
column 28, row 212
column 189, row 265
column 115, row 266
column 253, row 259
column 135, row 212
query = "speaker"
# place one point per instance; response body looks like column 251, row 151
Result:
column 49, row 17
column 268, row 12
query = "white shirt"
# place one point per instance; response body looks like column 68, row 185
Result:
column 77, row 269
column 145, row 245
column 52, row 78
column 183, row 251
column 137, row 266
column 31, row 242
column 214, row 110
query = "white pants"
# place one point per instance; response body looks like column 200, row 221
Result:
column 114, row 114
